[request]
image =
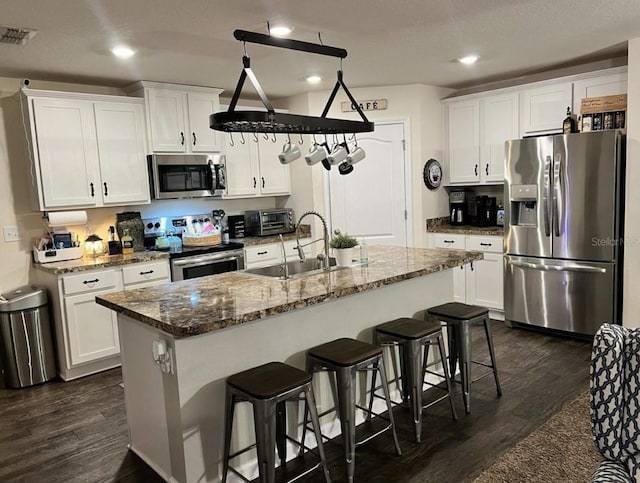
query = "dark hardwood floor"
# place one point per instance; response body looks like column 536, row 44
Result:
column 76, row 431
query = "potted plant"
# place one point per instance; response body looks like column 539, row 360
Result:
column 342, row 245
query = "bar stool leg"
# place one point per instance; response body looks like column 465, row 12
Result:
column 447, row 377
column 453, row 348
column 281, row 431
column 463, row 343
column 264, row 414
column 228, row 428
column 347, row 408
column 385, row 388
column 487, row 331
column 310, row 403
column 412, row 379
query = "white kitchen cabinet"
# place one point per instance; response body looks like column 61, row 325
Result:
column 479, row 282
column 545, row 107
column 605, row 85
column 253, row 168
column 87, row 333
column 178, row 116
column 500, row 123
column 271, row 253
column 86, row 150
column 464, row 141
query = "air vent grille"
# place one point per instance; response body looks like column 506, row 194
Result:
column 15, row 35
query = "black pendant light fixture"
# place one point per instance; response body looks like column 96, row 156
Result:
column 270, row 121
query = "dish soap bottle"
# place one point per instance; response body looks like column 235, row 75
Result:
column 364, row 258
column 569, row 123
column 127, row 243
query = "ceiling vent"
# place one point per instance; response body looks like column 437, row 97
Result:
column 16, row 35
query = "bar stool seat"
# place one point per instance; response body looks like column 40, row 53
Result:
column 459, row 318
column 268, row 387
column 411, row 336
column 346, row 357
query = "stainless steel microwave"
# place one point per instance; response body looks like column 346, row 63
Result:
column 187, row 175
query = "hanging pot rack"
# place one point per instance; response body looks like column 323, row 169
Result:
column 270, row 121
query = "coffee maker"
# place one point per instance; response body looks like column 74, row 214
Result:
column 457, row 207
column 485, row 211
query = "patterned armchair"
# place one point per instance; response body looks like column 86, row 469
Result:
column 615, row 403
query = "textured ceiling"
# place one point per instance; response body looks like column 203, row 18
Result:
column 389, row 42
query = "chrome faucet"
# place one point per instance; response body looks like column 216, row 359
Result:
column 285, row 267
column 325, row 238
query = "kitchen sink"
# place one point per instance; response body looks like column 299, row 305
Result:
column 297, row 268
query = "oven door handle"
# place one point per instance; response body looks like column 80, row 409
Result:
column 195, row 262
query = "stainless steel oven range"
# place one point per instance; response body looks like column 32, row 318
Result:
column 186, row 262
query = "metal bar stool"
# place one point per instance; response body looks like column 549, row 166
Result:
column 411, row 336
column 346, row 357
column 459, row 319
column 268, row 388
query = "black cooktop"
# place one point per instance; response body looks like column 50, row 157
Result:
column 194, row 251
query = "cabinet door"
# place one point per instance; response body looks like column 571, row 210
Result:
column 167, row 121
column 499, row 124
column 121, row 149
column 262, row 255
column 459, row 284
column 67, row 151
column 544, row 108
column 607, row 85
column 274, row 176
column 484, row 283
column 464, row 141
column 92, row 329
column 202, row 139
column 242, row 168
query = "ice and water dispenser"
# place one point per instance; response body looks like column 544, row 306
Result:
column 524, row 205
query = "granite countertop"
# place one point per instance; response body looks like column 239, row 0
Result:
column 305, row 232
column 90, row 263
column 201, row 305
column 442, row 225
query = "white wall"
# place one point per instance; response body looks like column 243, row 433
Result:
column 631, row 309
column 420, row 106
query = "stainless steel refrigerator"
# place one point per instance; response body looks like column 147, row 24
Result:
column 564, row 218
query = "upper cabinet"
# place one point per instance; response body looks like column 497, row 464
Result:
column 253, row 168
column 86, row 150
column 477, row 125
column 178, row 116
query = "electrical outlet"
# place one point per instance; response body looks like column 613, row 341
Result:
column 11, row 233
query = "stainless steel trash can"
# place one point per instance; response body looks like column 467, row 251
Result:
column 26, row 345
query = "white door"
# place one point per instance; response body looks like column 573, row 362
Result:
column 485, row 282
column 166, row 109
column 67, row 152
column 464, row 141
column 123, row 163
column 544, row 108
column 274, row 176
column 242, row 167
column 459, row 283
column 202, row 139
column 371, row 201
column 500, row 124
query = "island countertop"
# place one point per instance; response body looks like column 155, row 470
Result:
column 201, row 305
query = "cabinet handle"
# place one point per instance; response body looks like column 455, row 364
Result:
column 485, row 244
column 472, row 266
column 254, row 182
column 148, row 272
column 461, row 267
column 476, row 170
column 181, row 138
column 194, row 138
column 95, row 280
column 106, row 190
column 263, row 181
column 486, row 169
column 263, row 253
column 93, row 191
column 449, row 241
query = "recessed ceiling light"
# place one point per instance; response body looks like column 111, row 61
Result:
column 314, row 79
column 468, row 59
column 280, row 30
column 123, row 51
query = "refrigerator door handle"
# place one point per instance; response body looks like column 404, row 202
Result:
column 557, row 194
column 546, row 195
column 559, row 268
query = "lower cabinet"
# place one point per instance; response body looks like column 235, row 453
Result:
column 271, row 253
column 87, row 333
column 479, row 282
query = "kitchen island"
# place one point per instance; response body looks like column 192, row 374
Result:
column 215, row 326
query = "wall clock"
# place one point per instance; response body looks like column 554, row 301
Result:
column 432, row 174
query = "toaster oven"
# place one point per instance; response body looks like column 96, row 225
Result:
column 269, row 222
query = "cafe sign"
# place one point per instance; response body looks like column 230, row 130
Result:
column 367, row 105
